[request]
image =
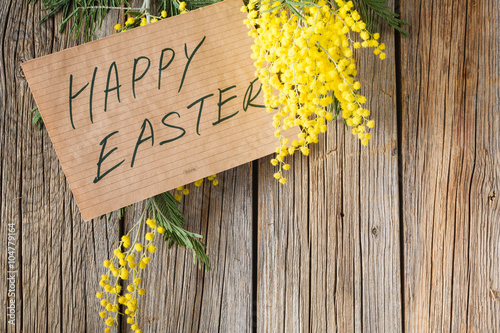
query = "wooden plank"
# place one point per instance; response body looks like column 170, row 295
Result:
column 283, row 297
column 35, row 191
column 483, row 53
column 379, row 197
column 451, row 166
column 91, row 243
column 10, row 170
column 380, row 215
column 328, row 250
column 18, row 97
column 58, row 254
column 181, row 298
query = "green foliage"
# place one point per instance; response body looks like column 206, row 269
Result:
column 335, row 108
column 195, row 4
column 163, row 209
column 172, row 6
column 37, row 117
column 86, row 15
column 121, row 214
column 372, row 11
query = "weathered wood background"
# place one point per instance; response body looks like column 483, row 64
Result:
column 401, row 236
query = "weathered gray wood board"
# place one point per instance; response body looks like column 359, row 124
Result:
column 403, row 235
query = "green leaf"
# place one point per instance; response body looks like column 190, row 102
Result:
column 335, row 108
column 37, row 117
column 87, row 15
column 164, row 209
column 372, row 11
column 134, row 14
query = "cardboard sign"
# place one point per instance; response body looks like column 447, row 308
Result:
column 154, row 108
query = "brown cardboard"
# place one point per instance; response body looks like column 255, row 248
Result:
column 220, row 68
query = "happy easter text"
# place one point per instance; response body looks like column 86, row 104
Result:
column 146, row 135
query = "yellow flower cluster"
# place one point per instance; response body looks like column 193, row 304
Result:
column 304, row 56
column 129, row 259
column 183, row 190
column 182, row 7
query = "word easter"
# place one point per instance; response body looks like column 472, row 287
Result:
column 148, row 127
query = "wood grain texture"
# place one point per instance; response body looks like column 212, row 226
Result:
column 58, row 253
column 182, row 298
column 11, row 166
column 328, row 249
column 450, row 159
